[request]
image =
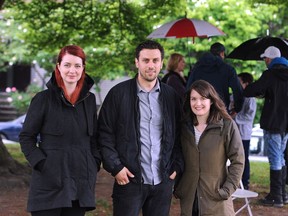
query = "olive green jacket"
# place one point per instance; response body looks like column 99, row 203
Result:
column 206, row 168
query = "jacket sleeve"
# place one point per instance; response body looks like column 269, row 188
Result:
column 247, row 113
column 259, row 87
column 178, row 159
column 238, row 97
column 235, row 154
column 95, row 148
column 107, row 127
column 31, row 129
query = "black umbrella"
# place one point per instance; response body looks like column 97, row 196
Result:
column 253, row 48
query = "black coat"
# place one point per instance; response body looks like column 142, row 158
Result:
column 119, row 133
column 67, row 148
column 174, row 80
column 273, row 86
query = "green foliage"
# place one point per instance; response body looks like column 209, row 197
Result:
column 109, row 30
column 21, row 100
column 272, row 2
column 12, row 48
column 260, row 104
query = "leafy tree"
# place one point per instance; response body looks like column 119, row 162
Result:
column 107, row 30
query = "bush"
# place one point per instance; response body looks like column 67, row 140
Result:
column 21, row 100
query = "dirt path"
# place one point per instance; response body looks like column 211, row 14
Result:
column 13, row 202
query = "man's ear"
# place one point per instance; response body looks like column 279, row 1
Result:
column 136, row 62
column 222, row 54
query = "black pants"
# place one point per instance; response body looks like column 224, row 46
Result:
column 246, row 172
column 195, row 210
column 75, row 210
column 154, row 200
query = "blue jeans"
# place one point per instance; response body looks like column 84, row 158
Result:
column 276, row 144
column 154, row 200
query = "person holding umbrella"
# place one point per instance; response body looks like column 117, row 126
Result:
column 222, row 76
column 273, row 87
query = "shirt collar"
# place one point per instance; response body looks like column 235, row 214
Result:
column 156, row 88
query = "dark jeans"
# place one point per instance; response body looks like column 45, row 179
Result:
column 246, row 173
column 75, row 210
column 154, row 200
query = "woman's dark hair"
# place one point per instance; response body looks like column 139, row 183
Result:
column 76, row 51
column 246, row 77
column 217, row 110
column 149, row 44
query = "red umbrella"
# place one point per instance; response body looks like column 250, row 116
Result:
column 186, row 28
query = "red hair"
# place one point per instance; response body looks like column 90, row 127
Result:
column 76, row 51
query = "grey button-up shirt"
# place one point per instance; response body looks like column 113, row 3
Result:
column 151, row 121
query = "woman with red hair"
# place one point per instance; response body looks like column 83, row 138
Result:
column 59, row 140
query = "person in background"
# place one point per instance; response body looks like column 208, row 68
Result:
column 209, row 137
column 244, row 120
column 222, row 76
column 175, row 73
column 273, row 86
column 65, row 159
column 139, row 135
column 286, row 161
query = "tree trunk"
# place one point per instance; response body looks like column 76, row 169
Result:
column 12, row 173
column 1, row 4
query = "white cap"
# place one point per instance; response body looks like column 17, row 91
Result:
column 271, row 52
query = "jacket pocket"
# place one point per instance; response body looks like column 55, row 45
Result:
column 185, row 188
column 50, row 175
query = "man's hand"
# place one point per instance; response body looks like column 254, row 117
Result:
column 173, row 175
column 122, row 178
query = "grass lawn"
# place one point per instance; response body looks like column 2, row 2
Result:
column 259, row 174
column 259, row 182
column 16, row 153
column 259, row 171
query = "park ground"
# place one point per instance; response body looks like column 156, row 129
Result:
column 13, row 201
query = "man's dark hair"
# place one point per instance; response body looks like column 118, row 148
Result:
column 217, row 48
column 246, row 77
column 149, row 44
